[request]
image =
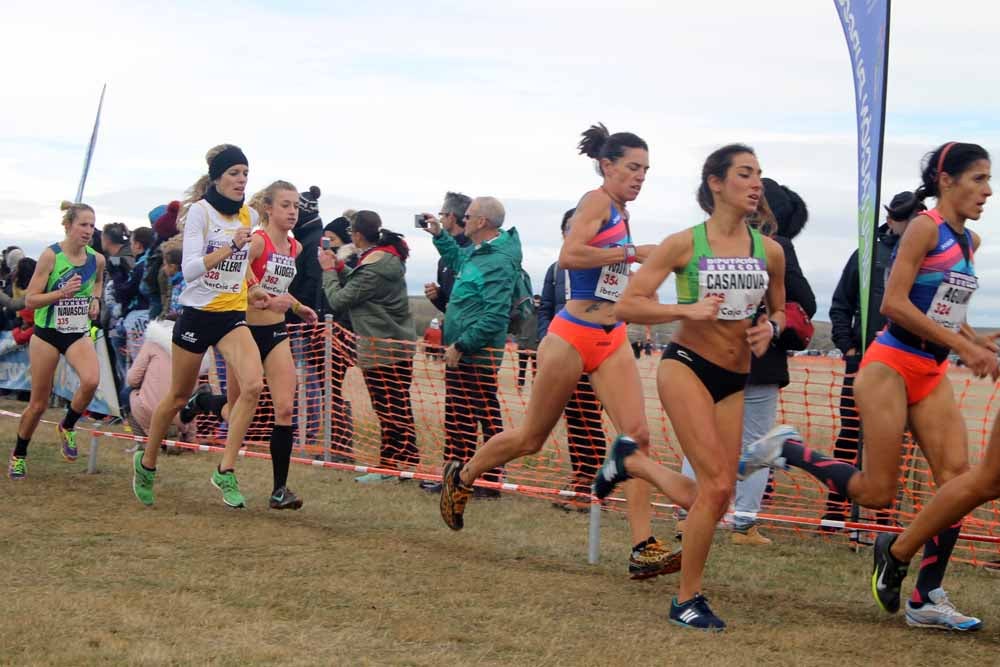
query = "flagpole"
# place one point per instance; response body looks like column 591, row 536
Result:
column 90, row 148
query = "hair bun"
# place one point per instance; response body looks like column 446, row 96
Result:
column 173, row 207
column 65, row 205
column 314, row 191
column 593, row 139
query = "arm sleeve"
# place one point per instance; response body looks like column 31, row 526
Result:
column 362, row 286
column 498, row 288
column 548, row 308
column 137, row 371
column 797, row 288
column 193, row 262
column 844, row 305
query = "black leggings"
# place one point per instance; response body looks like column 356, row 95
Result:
column 470, row 401
column 389, row 388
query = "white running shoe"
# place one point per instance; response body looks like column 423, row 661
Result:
column 766, row 452
column 940, row 613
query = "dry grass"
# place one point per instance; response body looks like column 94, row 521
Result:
column 370, row 575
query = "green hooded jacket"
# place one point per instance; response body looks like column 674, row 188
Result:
column 374, row 293
column 478, row 313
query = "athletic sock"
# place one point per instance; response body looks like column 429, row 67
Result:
column 937, row 551
column 21, row 448
column 210, row 403
column 72, row 416
column 832, row 472
column 281, row 453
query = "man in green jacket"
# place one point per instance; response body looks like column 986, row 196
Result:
column 475, row 327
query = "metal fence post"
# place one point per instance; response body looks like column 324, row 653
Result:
column 92, row 459
column 594, row 537
column 327, row 415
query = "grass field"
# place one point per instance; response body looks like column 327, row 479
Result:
column 370, row 576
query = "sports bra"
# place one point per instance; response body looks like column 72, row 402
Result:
column 740, row 281
column 273, row 270
column 604, row 283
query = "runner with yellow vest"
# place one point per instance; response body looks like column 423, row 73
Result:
column 63, row 290
column 215, row 261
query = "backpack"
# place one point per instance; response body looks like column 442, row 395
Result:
column 522, row 303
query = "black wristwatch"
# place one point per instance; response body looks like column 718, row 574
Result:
column 775, row 331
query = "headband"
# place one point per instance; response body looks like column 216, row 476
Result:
column 944, row 152
column 224, row 160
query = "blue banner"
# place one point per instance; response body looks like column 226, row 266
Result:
column 90, row 148
column 15, row 374
column 866, row 28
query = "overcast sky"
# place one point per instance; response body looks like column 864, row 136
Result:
column 388, row 105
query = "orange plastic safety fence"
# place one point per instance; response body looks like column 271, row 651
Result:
column 394, row 405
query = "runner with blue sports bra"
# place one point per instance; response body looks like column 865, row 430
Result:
column 215, row 264
column 62, row 292
column 903, row 380
column 272, row 268
column 725, row 271
column 587, row 338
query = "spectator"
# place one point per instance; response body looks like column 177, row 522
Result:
column 155, row 280
column 133, row 295
column 375, row 294
column 476, row 322
column 527, row 342
column 342, row 421
column 432, row 340
column 116, row 243
column 452, row 218
column 18, row 270
column 781, row 215
column 845, row 321
column 637, row 336
column 585, row 438
column 172, row 256
column 148, row 380
column 307, row 288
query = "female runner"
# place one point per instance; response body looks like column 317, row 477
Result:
column 216, row 233
column 904, row 381
column 272, row 268
column 63, row 290
column 585, row 337
column 724, row 270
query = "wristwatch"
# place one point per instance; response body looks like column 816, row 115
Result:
column 775, row 330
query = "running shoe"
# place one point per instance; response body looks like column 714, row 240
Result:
column 612, row 473
column 695, row 614
column 888, row 574
column 454, row 495
column 653, row 559
column 939, row 612
column 142, row 480
column 284, row 499
column 17, row 467
column 230, row 487
column 191, row 409
column 766, row 452
column 67, row 438
column 375, row 478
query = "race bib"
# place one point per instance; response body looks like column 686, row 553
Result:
column 612, row 282
column 229, row 275
column 741, row 282
column 72, row 315
column 950, row 304
column 278, row 274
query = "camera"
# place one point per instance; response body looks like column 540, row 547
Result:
column 419, row 221
column 326, row 243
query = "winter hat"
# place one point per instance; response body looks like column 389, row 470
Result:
column 14, row 255
column 341, row 227
column 156, row 213
column 309, row 206
column 165, row 225
column 788, row 208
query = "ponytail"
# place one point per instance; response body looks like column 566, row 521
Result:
column 952, row 158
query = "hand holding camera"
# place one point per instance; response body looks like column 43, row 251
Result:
column 428, row 223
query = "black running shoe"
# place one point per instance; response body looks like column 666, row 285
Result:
column 888, row 574
column 695, row 614
column 284, row 499
column 191, row 409
column 612, row 473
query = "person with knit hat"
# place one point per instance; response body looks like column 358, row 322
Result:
column 155, row 280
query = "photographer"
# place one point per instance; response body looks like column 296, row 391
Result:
column 374, row 293
column 452, row 219
column 116, row 243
